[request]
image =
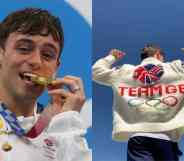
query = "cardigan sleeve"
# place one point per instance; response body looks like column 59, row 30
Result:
column 69, row 130
column 102, row 70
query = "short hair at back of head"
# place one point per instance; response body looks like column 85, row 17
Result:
column 149, row 50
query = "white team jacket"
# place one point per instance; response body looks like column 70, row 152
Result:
column 138, row 108
column 61, row 141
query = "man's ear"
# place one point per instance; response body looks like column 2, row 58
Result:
column 58, row 63
column 57, row 66
column 157, row 54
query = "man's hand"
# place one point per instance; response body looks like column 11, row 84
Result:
column 118, row 54
column 67, row 94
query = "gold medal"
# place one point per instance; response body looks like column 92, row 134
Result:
column 6, row 147
column 39, row 79
column 1, row 123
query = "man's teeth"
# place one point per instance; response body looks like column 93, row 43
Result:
column 29, row 76
column 36, row 79
column 40, row 80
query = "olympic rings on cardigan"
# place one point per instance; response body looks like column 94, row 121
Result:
column 170, row 101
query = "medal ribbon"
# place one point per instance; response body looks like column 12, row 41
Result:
column 12, row 120
column 36, row 130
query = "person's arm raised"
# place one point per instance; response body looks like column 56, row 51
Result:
column 102, row 70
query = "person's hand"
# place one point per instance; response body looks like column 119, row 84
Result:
column 118, row 54
column 67, row 94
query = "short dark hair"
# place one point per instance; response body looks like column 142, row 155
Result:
column 32, row 21
column 149, row 50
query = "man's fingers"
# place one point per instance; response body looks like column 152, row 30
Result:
column 70, row 98
column 118, row 54
column 59, row 96
column 67, row 100
column 73, row 83
column 77, row 81
column 60, row 92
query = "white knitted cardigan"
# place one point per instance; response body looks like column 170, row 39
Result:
column 137, row 108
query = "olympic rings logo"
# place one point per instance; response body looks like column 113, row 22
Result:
column 169, row 101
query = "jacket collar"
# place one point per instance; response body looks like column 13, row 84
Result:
column 151, row 60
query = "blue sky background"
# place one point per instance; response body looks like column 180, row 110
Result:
column 128, row 25
column 76, row 56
